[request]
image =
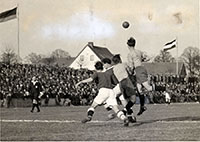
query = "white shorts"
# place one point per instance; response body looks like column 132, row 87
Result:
column 106, row 95
column 118, row 92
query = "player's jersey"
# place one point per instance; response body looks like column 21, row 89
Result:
column 110, row 73
column 120, row 71
column 135, row 58
column 35, row 89
column 103, row 80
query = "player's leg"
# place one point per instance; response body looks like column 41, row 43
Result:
column 129, row 93
column 119, row 95
column 90, row 112
column 124, row 103
column 131, row 101
column 113, row 102
column 142, row 99
column 121, row 115
column 123, row 100
column 142, row 82
column 117, row 92
column 33, row 105
column 37, row 106
column 99, row 99
column 111, row 114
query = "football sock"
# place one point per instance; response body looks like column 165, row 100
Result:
column 33, row 107
column 90, row 112
column 108, row 108
column 121, row 115
column 142, row 100
column 38, row 107
column 124, row 111
column 129, row 108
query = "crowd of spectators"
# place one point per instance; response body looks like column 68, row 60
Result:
column 59, row 83
column 181, row 89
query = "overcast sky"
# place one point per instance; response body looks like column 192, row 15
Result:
column 46, row 25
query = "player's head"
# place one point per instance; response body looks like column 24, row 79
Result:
column 106, row 62
column 98, row 65
column 131, row 42
column 116, row 59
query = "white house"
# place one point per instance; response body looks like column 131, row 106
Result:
column 89, row 55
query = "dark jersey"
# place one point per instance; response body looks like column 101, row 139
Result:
column 105, row 79
column 110, row 73
column 35, row 90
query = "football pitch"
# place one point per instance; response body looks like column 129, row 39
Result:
column 174, row 122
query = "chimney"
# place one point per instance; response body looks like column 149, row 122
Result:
column 90, row 44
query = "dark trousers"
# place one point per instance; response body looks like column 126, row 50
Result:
column 35, row 104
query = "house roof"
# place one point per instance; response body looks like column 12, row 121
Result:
column 165, row 68
column 101, row 52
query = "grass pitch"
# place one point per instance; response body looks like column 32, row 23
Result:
column 175, row 122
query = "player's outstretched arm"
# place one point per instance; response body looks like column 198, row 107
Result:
column 84, row 81
column 145, row 57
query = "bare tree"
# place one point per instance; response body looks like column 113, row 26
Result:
column 197, row 65
column 164, row 56
column 191, row 58
column 59, row 53
column 8, row 56
column 33, row 58
column 49, row 60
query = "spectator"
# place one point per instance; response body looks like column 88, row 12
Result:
column 18, row 76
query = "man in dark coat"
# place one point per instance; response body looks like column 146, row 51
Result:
column 35, row 90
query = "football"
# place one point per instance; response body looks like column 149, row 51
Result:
column 125, row 24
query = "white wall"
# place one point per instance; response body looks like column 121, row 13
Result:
column 86, row 63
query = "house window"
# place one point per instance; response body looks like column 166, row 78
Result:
column 91, row 57
column 82, row 57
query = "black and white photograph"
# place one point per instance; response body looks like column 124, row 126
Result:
column 100, row 70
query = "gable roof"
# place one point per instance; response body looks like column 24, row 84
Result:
column 101, row 52
column 165, row 68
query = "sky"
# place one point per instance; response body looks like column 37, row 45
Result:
column 47, row 25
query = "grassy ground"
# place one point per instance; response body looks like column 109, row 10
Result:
column 175, row 122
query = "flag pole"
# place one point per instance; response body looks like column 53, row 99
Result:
column 18, row 52
column 177, row 55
